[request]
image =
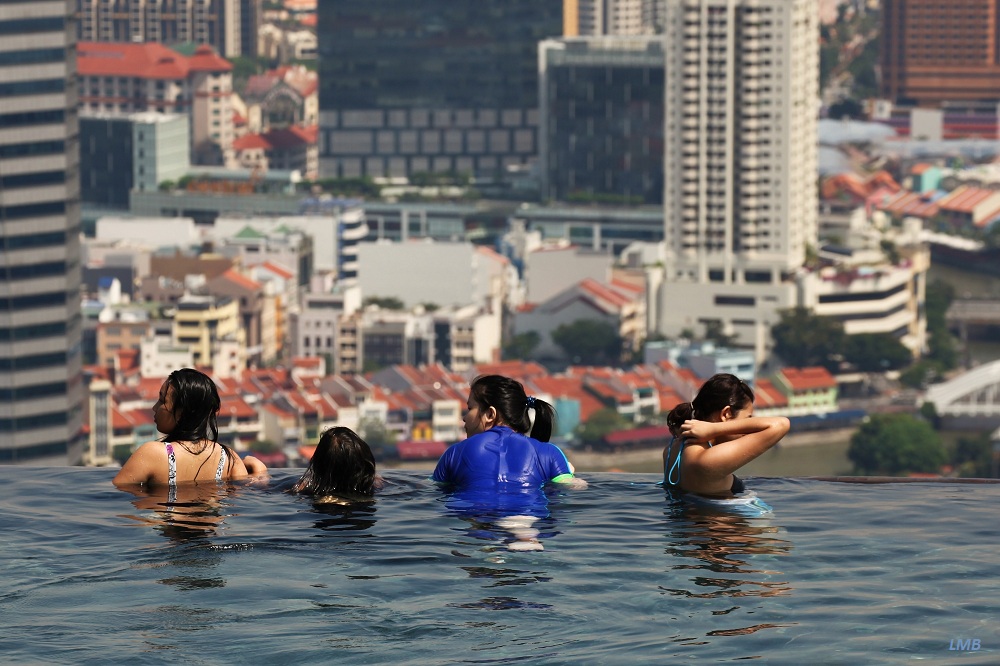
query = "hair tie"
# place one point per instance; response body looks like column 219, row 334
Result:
column 530, row 402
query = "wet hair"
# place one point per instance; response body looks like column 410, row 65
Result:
column 343, row 464
column 719, row 391
column 677, row 416
column 507, row 396
column 196, row 405
column 196, row 408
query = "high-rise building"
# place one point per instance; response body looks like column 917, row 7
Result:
column 740, row 199
column 601, row 137
column 934, row 53
column 230, row 26
column 433, row 86
column 41, row 392
column 585, row 18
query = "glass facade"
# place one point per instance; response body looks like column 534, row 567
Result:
column 434, row 86
column 602, row 120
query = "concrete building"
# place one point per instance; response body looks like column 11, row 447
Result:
column 449, row 273
column 122, row 152
column 935, row 54
column 41, row 388
column 284, row 246
column 336, row 230
column 703, row 358
column 281, row 97
column 97, row 452
column 256, row 313
column 467, row 336
column 205, row 324
column 130, row 78
column 457, row 94
column 601, row 131
column 396, row 338
column 740, row 162
column 615, row 304
column 326, row 326
column 871, row 295
column 118, row 329
column 611, row 17
column 554, row 267
column 160, row 355
column 230, row 26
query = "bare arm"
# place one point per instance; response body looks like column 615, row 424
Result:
column 751, row 438
column 255, row 467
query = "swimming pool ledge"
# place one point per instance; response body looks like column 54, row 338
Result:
column 897, row 479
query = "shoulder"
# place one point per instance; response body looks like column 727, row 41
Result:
column 143, row 464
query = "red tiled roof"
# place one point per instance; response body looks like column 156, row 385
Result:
column 278, row 270
column 964, row 199
column 236, row 406
column 519, row 370
column 420, row 450
column 907, row 203
column 149, row 60
column 205, row 59
column 806, row 379
column 293, row 136
column 238, row 278
column 251, row 142
column 645, row 435
column 767, row 395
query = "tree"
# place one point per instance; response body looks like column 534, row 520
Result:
column 264, row 446
column 601, row 423
column 377, row 436
column 521, row 346
column 896, row 444
column 973, row 456
column 845, row 108
column 803, row 339
column 876, row 352
column 589, row 342
column 385, row 302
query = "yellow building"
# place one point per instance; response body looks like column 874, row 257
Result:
column 204, row 323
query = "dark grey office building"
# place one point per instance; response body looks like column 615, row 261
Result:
column 602, row 119
column 430, row 86
column 41, row 390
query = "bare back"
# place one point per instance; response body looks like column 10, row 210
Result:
column 151, row 464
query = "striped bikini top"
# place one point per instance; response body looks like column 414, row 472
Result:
column 172, row 465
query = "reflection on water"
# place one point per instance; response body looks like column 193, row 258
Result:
column 188, row 516
column 342, row 514
column 721, row 556
column 887, row 574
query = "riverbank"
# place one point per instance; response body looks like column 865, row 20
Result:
column 800, row 454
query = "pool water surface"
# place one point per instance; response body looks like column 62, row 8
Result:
column 837, row 573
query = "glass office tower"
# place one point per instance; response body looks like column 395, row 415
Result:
column 432, row 86
column 40, row 361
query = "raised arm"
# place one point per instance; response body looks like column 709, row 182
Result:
column 749, row 438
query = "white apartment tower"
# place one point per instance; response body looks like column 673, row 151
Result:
column 610, row 17
column 41, row 392
column 740, row 199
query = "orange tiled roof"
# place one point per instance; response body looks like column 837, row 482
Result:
column 964, row 199
column 807, row 379
column 149, row 60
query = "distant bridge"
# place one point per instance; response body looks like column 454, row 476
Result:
column 973, row 397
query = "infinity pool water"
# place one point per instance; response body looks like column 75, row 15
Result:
column 836, row 574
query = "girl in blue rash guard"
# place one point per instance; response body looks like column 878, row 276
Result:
column 498, row 453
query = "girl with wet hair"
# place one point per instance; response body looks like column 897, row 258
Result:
column 716, row 434
column 503, row 450
column 342, row 466
column 189, row 451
